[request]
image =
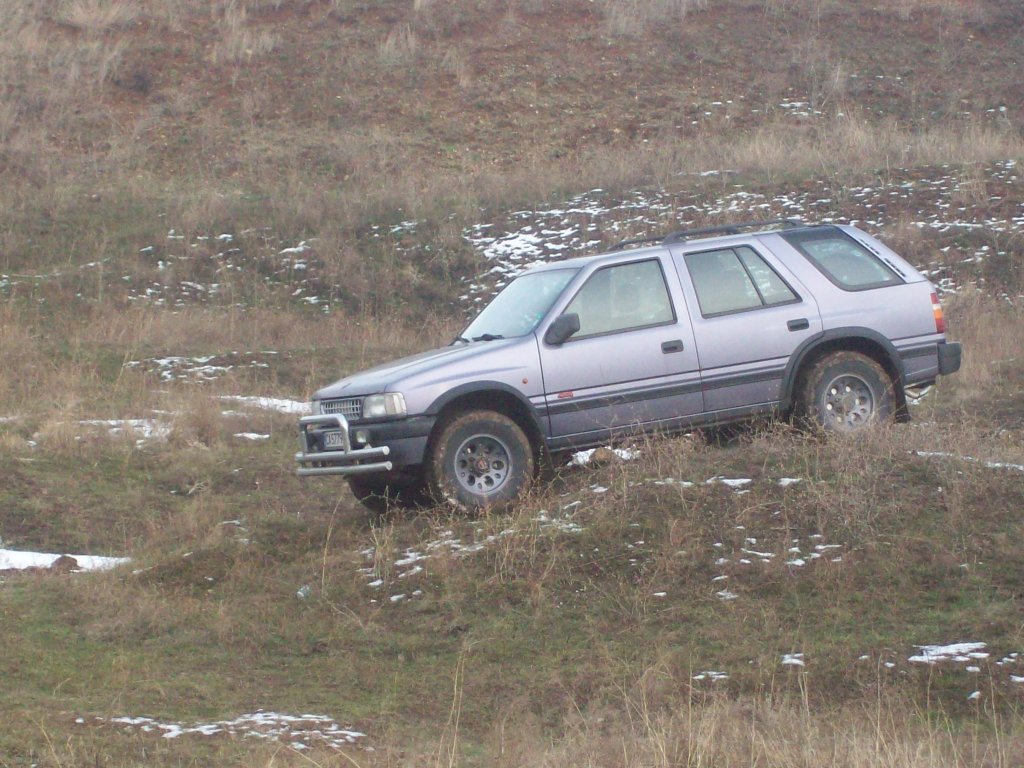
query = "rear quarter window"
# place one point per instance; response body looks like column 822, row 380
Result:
column 842, row 259
column 732, row 280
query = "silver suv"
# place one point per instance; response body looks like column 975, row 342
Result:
column 705, row 327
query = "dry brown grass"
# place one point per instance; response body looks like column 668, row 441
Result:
column 66, row 145
column 79, row 367
column 400, row 47
column 632, row 18
column 903, row 10
column 959, row 10
column 98, row 16
column 453, row 62
column 990, row 331
column 236, row 41
column 778, row 735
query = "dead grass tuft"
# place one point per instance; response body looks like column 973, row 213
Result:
column 400, row 47
column 632, row 18
column 98, row 16
column 238, row 42
column 455, row 63
column 197, row 420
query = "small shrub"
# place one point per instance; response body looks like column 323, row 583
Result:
column 400, row 47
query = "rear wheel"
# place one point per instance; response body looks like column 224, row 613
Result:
column 480, row 460
column 845, row 392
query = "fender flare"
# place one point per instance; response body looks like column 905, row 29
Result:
column 485, row 387
column 829, row 337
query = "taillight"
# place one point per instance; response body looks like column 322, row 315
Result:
column 940, row 323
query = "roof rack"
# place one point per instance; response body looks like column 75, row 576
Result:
column 725, row 229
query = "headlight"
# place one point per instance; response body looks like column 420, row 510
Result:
column 388, row 404
column 314, row 407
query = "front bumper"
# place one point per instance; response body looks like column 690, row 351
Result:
column 347, row 461
column 390, row 445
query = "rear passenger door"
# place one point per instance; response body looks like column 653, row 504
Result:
column 749, row 315
column 632, row 362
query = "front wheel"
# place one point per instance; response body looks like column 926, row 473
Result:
column 480, row 460
column 845, row 392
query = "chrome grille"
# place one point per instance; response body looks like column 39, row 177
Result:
column 352, row 408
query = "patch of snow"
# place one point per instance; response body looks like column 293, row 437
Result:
column 411, row 557
column 793, row 660
column 959, row 652
column 199, row 369
column 971, row 459
column 582, row 222
column 672, row 481
column 143, row 429
column 299, row 731
column 279, row 404
column 730, row 482
column 562, row 524
column 300, row 248
column 711, row 675
column 15, row 560
column 581, row 458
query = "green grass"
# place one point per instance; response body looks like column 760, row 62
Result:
column 547, row 625
column 546, row 647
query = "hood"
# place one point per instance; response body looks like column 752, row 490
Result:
column 387, row 377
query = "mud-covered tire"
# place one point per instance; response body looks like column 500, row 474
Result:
column 845, row 392
column 479, row 460
column 379, row 495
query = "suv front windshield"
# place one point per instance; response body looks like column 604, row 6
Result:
column 519, row 307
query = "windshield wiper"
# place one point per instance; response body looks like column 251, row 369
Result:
column 463, row 339
column 488, row 337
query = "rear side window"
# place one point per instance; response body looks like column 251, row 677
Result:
column 842, row 259
column 621, row 298
column 734, row 280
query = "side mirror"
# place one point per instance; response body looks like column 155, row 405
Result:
column 562, row 328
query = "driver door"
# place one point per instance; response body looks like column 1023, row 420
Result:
column 633, row 362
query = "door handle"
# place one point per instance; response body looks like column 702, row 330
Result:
column 800, row 324
column 676, row 345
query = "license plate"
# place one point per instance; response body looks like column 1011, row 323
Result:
column 334, row 440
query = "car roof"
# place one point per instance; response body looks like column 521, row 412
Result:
column 615, row 256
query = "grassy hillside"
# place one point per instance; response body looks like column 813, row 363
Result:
column 209, row 203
